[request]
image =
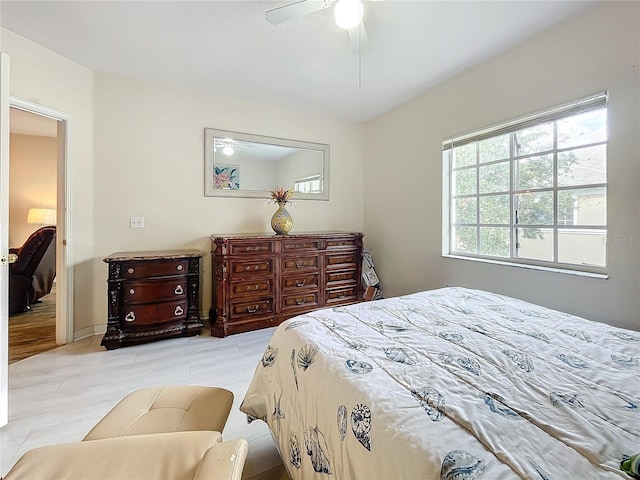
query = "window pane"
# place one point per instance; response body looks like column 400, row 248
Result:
column 534, row 172
column 589, row 127
column 535, row 243
column 465, row 210
column 464, row 155
column 583, row 166
column 495, row 148
column 494, row 209
column 582, row 247
column 464, row 181
column 535, row 208
column 495, row 241
column 465, row 239
column 534, row 139
column 494, row 178
column 589, row 206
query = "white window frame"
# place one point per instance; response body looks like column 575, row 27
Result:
column 581, row 106
column 307, row 181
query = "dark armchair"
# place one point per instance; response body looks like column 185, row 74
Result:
column 31, row 277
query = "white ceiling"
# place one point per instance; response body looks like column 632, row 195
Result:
column 229, row 47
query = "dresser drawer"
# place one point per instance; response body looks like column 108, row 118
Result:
column 299, row 263
column 155, row 269
column 341, row 242
column 342, row 277
column 250, row 268
column 256, row 287
column 244, row 308
column 304, row 301
column 291, row 283
column 152, row 291
column 137, row 315
column 300, row 244
column 341, row 295
column 251, row 248
column 334, row 261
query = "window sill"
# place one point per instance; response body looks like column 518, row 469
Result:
column 578, row 273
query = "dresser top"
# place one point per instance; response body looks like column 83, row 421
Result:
column 152, row 255
column 289, row 235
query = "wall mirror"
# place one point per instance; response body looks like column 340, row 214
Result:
column 246, row 165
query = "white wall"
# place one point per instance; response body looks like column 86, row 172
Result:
column 149, row 162
column 598, row 50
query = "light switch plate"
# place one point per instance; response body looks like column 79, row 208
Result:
column 136, row 222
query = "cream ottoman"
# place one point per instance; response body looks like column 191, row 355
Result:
column 175, row 456
column 176, row 408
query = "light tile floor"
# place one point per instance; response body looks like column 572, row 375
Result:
column 57, row 396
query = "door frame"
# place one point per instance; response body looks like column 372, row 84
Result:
column 64, row 221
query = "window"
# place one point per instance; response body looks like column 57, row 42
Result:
column 307, row 184
column 532, row 191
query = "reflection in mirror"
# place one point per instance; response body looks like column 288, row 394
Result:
column 245, row 165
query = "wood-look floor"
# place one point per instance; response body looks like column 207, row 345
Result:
column 33, row 332
column 57, row 396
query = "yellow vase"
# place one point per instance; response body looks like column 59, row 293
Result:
column 281, row 222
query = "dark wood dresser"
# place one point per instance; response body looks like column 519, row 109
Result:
column 261, row 280
column 152, row 295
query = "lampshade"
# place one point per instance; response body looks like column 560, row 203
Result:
column 41, row 216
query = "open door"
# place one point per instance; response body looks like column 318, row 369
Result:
column 4, row 238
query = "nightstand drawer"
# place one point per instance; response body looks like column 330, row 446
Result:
column 153, row 291
column 155, row 269
column 136, row 315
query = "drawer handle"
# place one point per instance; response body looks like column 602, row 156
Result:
column 249, row 249
column 253, row 310
column 179, row 290
column 178, row 311
column 130, row 317
column 299, row 264
column 179, row 267
column 298, row 284
column 131, row 270
column 132, row 291
column 301, row 302
column 248, row 267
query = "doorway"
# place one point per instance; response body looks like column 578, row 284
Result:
column 38, row 198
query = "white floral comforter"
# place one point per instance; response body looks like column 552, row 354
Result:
column 451, row 384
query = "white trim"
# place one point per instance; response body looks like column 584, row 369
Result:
column 64, row 243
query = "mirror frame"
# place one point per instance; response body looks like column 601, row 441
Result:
column 209, row 162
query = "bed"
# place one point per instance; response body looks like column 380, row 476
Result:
column 449, row 384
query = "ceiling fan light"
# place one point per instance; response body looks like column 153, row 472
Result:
column 228, row 150
column 348, row 13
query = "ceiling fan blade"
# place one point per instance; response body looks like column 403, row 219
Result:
column 295, row 10
column 359, row 39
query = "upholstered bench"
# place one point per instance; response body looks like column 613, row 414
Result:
column 175, row 408
column 168, row 432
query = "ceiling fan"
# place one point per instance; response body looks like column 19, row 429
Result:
column 229, row 146
column 348, row 15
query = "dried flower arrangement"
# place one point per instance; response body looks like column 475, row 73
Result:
column 281, row 196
